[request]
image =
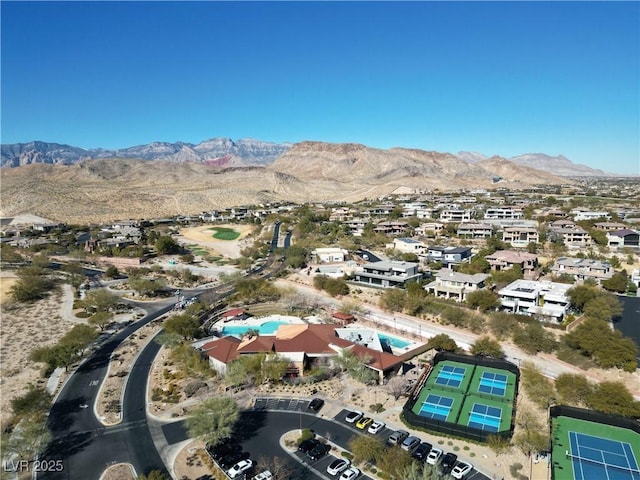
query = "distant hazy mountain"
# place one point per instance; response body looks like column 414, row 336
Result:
column 221, row 152
column 558, row 165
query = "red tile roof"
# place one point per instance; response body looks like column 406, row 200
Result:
column 343, row 316
column 379, row 360
column 233, row 312
column 224, row 349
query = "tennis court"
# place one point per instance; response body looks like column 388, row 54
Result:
column 450, row 376
column 436, row 406
column 484, row 417
column 585, row 450
column 596, row 457
column 493, row 383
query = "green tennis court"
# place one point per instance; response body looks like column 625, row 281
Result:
column 583, row 450
column 486, row 414
column 493, row 383
column 451, row 376
column 439, row 404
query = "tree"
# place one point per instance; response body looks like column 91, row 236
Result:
column 443, row 343
column 100, row 300
column 79, row 338
column 422, row 471
column 365, row 449
column 533, row 338
column 100, row 320
column 613, row 398
column 144, row 286
column 531, row 440
column 166, row 245
column 483, row 300
column 356, row 367
column 487, row 347
column 393, row 300
column 187, row 258
column 397, row 386
column 502, row 325
column 28, row 439
column 573, row 389
column 296, row 256
column 184, row 325
column 112, row 272
column 538, row 387
column 29, row 287
column 213, row 420
column 153, row 475
column 36, row 401
column 617, row 283
column 394, row 461
column 278, row 466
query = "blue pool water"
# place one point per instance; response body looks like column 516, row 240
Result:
column 267, row 328
column 393, row 341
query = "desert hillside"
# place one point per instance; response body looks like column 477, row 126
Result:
column 110, row 189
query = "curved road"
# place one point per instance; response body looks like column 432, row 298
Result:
column 86, row 446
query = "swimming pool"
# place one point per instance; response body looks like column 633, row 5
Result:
column 394, row 342
column 266, row 328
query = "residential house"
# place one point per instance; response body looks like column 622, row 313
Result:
column 561, row 223
column 583, row 268
column 430, row 229
column 475, row 230
column 221, row 352
column 388, row 274
column 341, row 214
column 589, row 215
column 456, row 215
column 449, row 256
column 546, row 300
column 624, row 237
column 329, row 255
column 417, row 209
column 609, row 226
column 506, row 259
column 520, row 236
column 572, row 237
column 392, row 228
column 356, row 226
column 408, row 245
column 503, row 213
column 450, row 284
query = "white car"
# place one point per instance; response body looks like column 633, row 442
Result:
column 376, row 426
column 434, row 456
column 239, row 468
column 461, row 469
column 350, row 473
column 338, row 465
column 354, row 416
column 266, row 475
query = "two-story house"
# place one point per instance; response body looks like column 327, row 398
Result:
column 583, row 268
column 454, row 285
column 546, row 300
column 388, row 274
column 520, row 236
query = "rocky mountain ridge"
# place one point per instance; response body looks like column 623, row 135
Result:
column 224, row 152
column 220, row 152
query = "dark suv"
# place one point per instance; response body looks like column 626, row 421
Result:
column 422, row 451
column 316, row 404
column 448, row 461
column 307, row 445
column 319, row 451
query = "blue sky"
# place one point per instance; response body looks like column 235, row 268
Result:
column 501, row 78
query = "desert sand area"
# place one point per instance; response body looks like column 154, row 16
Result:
column 24, row 328
column 203, row 236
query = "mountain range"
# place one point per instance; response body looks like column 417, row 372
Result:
column 224, row 152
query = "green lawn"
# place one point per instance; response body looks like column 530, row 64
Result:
column 223, row 233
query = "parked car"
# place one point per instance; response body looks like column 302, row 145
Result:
column 318, row 451
column 350, row 473
column 338, row 465
column 239, row 468
column 422, row 451
column 397, row 437
column 410, row 443
column 364, row 422
column 376, row 426
column 308, row 445
column 266, row 475
column 461, row 470
column 353, row 416
column 232, row 459
column 316, row 404
column 448, row 461
column 222, row 450
column 434, row 456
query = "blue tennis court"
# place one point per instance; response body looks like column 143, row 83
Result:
column 601, row 458
column 450, row 376
column 484, row 417
column 493, row 383
column 436, row 407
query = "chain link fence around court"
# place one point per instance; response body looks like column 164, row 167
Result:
column 455, row 429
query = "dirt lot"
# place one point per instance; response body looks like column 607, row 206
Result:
column 203, row 236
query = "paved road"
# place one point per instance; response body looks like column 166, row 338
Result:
column 629, row 323
column 80, row 440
